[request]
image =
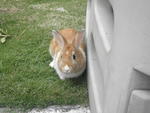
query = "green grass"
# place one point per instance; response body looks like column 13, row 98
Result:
column 26, row 80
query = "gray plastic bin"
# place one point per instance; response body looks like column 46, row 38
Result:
column 118, row 52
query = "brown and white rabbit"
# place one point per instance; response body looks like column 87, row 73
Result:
column 68, row 51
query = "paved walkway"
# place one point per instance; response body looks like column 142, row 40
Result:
column 62, row 109
column 53, row 109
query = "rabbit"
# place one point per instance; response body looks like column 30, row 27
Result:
column 67, row 49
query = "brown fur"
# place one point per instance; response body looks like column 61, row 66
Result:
column 69, row 47
column 69, row 35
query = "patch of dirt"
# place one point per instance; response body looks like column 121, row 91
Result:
column 47, row 6
column 60, row 9
column 48, row 24
column 43, row 6
column 32, row 18
column 55, row 20
column 9, row 10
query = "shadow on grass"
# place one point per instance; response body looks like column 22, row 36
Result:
column 80, row 80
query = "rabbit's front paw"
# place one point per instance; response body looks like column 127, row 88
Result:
column 62, row 78
column 52, row 64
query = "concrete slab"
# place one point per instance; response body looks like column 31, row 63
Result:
column 51, row 109
column 62, row 109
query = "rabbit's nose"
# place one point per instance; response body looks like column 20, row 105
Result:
column 67, row 69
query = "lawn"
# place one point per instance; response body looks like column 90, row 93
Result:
column 26, row 80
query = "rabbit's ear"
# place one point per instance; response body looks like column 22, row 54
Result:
column 59, row 38
column 78, row 38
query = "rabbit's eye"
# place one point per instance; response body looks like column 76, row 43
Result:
column 74, row 57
